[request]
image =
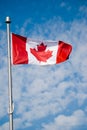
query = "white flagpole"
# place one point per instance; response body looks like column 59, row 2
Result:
column 8, row 21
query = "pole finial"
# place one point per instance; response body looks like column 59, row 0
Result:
column 8, row 19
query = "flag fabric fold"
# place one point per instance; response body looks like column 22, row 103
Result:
column 29, row 51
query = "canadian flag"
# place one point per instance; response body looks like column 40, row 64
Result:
column 28, row 51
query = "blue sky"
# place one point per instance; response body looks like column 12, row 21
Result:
column 51, row 97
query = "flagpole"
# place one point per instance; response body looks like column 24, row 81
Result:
column 8, row 21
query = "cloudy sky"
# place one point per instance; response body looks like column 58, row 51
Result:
column 50, row 97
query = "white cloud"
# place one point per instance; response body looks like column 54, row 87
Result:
column 5, row 126
column 65, row 5
column 83, row 9
column 3, row 91
column 77, row 119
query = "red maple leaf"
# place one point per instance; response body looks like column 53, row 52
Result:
column 41, row 47
column 41, row 54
